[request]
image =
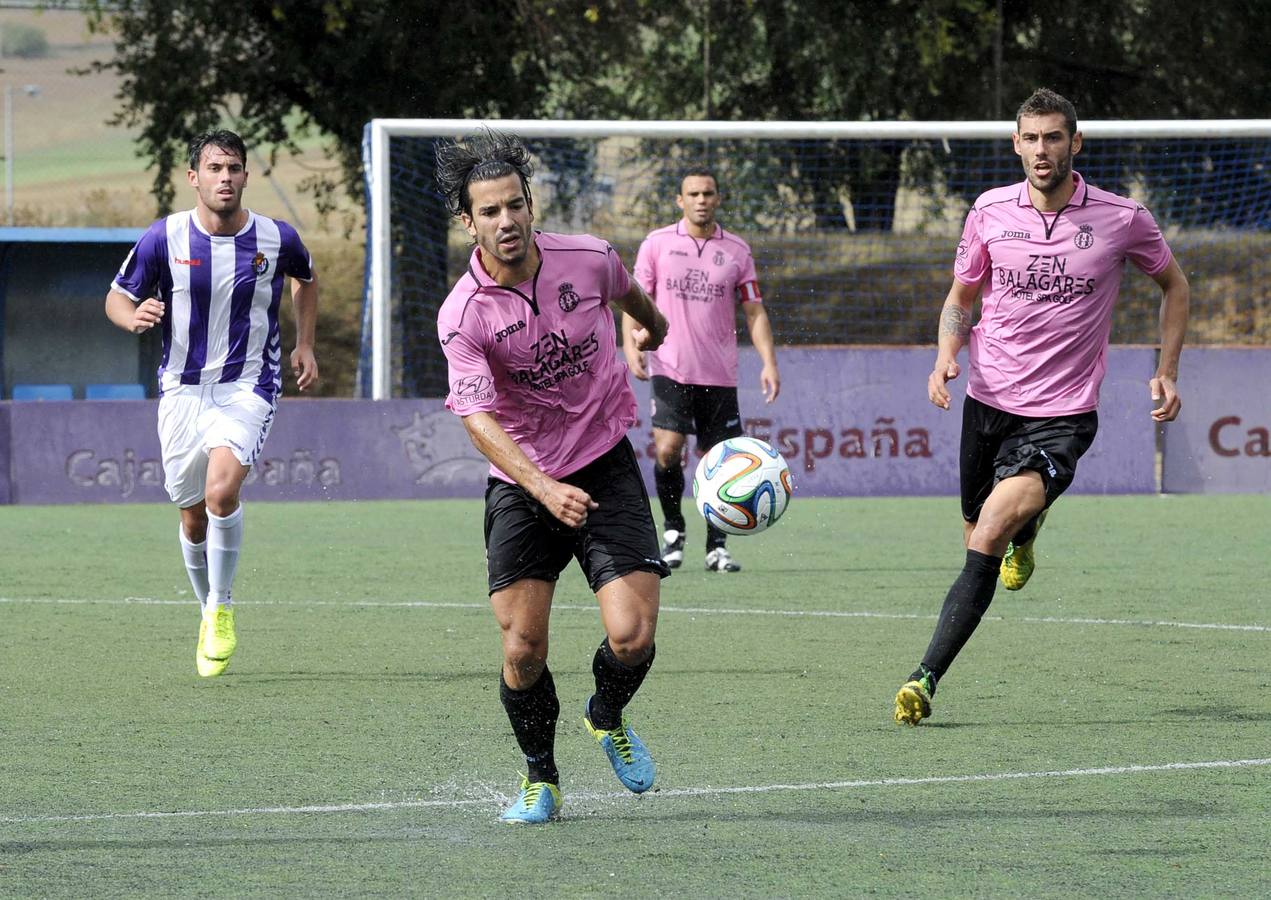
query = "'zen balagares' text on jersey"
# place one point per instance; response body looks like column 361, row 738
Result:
column 1050, row 281
column 541, row 357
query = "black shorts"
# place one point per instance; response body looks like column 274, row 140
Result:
column 707, row 411
column 998, row 444
column 524, row 540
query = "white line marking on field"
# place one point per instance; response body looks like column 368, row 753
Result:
column 684, row 610
column 671, row 793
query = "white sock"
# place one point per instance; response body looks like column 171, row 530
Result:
column 195, row 556
column 224, row 536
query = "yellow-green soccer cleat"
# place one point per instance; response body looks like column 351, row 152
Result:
column 207, row 668
column 220, row 640
column 540, row 802
column 913, row 702
column 1018, row 563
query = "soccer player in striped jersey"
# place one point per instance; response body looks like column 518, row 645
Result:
column 212, row 278
column 697, row 273
column 528, row 335
column 1047, row 254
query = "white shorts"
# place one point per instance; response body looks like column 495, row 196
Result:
column 194, row 419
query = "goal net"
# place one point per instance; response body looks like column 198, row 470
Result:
column 853, row 225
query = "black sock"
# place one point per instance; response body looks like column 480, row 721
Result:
column 714, row 538
column 923, row 672
column 965, row 604
column 616, row 684
column 533, row 713
column 670, row 485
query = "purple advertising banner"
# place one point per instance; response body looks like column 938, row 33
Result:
column 1221, row 442
column 108, row 452
column 850, row 422
column 855, row 422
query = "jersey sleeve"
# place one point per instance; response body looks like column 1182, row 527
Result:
column 139, row 276
column 619, row 281
column 297, row 262
column 469, row 376
column 748, row 280
column 646, row 271
column 972, row 262
column 1145, row 245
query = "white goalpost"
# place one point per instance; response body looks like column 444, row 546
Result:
column 857, row 220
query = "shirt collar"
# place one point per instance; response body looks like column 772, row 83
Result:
column 1080, row 191
column 683, row 232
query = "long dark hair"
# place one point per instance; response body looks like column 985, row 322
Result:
column 483, row 156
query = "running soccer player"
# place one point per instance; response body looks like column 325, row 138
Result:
column 697, row 273
column 529, row 338
column 1048, row 254
column 212, row 278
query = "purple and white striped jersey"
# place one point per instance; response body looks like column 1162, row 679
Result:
column 221, row 294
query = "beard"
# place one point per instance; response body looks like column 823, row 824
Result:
column 1059, row 171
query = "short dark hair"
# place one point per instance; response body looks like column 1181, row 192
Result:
column 225, row 140
column 1044, row 101
column 483, row 156
column 699, row 171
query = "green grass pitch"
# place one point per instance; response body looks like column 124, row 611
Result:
column 1106, row 732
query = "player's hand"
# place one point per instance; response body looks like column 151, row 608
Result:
column 651, row 338
column 1165, row 395
column 770, row 381
column 147, row 315
column 305, row 367
column 943, row 373
column 568, row 503
column 635, row 362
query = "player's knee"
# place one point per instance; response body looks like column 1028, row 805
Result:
column 524, row 644
column 526, row 660
column 222, row 499
column 195, row 532
column 993, row 527
column 669, row 457
column 632, row 648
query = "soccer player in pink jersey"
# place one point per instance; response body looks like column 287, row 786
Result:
column 1047, row 255
column 528, row 334
column 211, row 278
column 697, row 273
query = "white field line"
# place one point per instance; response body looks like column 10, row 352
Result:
column 595, row 797
column 685, row 610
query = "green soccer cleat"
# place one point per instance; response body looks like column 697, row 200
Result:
column 539, row 802
column 631, row 760
column 207, row 668
column 913, row 701
column 1018, row 563
column 219, row 639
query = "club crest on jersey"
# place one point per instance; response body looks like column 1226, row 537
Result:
column 719, row 257
column 568, row 299
column 1084, row 238
column 260, row 264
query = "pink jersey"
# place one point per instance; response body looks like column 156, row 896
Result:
column 697, row 285
column 1050, row 282
column 541, row 356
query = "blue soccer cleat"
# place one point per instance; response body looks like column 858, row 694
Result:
column 631, row 760
column 539, row 802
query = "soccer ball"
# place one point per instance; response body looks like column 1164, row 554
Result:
column 742, row 486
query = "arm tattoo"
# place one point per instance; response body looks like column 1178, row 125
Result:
column 954, row 320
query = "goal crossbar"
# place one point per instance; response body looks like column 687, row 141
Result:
column 381, row 131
